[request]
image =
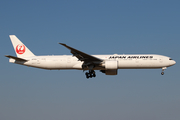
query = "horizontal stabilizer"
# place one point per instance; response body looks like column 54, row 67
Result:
column 16, row 58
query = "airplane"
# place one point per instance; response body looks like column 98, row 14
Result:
column 108, row 64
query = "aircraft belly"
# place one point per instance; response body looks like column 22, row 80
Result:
column 138, row 64
column 55, row 64
column 128, row 64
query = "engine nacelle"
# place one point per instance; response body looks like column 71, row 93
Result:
column 109, row 72
column 111, row 65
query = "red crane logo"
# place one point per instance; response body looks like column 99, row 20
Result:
column 20, row 49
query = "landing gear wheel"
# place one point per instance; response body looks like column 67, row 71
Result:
column 87, row 75
column 162, row 73
column 90, row 74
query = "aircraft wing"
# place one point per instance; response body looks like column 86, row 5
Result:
column 81, row 55
column 16, row 58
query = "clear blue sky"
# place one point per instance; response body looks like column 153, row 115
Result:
column 95, row 27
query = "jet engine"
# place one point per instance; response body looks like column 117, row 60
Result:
column 110, row 67
column 109, row 72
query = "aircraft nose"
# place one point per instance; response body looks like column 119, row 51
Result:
column 174, row 62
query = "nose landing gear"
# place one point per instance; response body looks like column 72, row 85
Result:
column 162, row 73
column 90, row 74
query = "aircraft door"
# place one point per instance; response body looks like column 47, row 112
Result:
column 68, row 60
column 161, row 60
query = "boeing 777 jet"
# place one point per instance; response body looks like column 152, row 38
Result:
column 108, row 64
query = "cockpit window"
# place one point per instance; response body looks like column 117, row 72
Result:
column 170, row 59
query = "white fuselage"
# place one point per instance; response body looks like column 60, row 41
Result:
column 139, row 61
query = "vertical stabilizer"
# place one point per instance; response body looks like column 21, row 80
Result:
column 20, row 49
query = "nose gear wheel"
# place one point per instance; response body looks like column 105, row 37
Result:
column 162, row 73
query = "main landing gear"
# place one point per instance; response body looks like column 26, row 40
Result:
column 90, row 74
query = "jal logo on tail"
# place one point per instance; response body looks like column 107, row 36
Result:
column 20, row 49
